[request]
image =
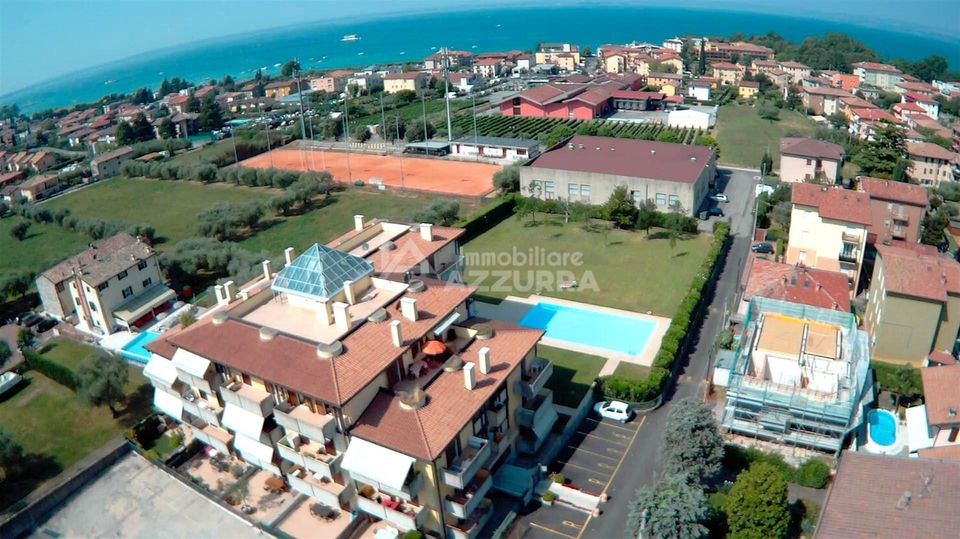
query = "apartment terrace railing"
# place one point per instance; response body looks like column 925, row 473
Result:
column 471, row 459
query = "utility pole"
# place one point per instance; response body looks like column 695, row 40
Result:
column 475, row 141
column 401, row 153
column 446, row 94
column 346, row 128
column 383, row 120
column 266, row 130
column 423, row 107
column 303, row 127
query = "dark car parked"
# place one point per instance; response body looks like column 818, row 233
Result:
column 29, row 319
column 715, row 212
column 47, row 324
column 763, row 248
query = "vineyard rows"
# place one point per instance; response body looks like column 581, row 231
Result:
column 536, row 128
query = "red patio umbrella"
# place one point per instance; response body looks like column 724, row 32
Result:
column 434, row 348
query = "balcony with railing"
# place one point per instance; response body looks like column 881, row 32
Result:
column 851, row 237
column 463, row 502
column 213, row 436
column 464, row 467
column 208, row 410
column 496, row 413
column 470, row 528
column 249, row 398
column 536, row 377
column 409, row 491
column 302, row 420
column 314, row 456
column 324, row 489
column 849, row 253
column 404, row 514
column 534, row 408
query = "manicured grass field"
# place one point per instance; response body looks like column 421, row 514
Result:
column 199, row 155
column 629, row 270
column 170, row 207
column 68, row 353
column 56, row 430
column 573, row 372
column 335, row 217
column 45, row 245
column 744, row 136
column 631, row 370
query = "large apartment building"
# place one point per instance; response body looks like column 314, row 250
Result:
column 897, row 209
column 883, row 76
column 368, row 394
column 828, row 229
column 929, row 164
column 114, row 284
column 799, row 376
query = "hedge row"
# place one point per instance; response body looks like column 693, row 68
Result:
column 209, row 173
column 51, row 369
column 648, row 388
column 92, row 226
column 486, row 218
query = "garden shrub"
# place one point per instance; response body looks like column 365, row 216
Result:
column 51, row 369
column 813, row 473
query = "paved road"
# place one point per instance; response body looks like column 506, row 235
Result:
column 641, row 460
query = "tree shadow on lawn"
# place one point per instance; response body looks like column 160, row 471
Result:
column 137, row 407
column 565, row 390
column 25, row 476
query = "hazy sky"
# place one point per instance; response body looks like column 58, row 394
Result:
column 41, row 39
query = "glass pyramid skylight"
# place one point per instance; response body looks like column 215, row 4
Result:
column 319, row 273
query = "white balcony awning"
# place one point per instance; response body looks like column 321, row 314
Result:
column 137, row 306
column 160, row 369
column 918, row 429
column 253, row 448
column 190, row 362
column 168, row 404
column 447, row 322
column 241, row 421
column 377, row 463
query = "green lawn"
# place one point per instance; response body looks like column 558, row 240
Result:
column 68, row 353
column 744, row 136
column 56, row 430
column 631, row 370
column 45, row 245
column 573, row 372
column 170, row 207
column 436, row 113
column 330, row 221
column 195, row 156
column 629, row 270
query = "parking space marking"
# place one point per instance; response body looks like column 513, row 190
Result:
column 592, row 471
column 592, row 453
column 621, row 439
column 611, row 425
column 551, row 530
column 624, row 455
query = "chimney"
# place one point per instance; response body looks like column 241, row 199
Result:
column 653, row 152
column 228, row 292
column 349, row 292
column 218, row 290
column 395, row 333
column 426, row 231
column 484, row 360
column 693, row 158
column 358, row 222
column 266, row 270
column 341, row 317
column 324, row 313
column 288, row 256
column 408, row 308
column 469, row 377
column 244, row 295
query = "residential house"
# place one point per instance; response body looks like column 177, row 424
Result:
column 463, row 81
column 779, row 78
column 897, row 209
column 933, row 428
column 41, row 161
column 674, row 44
column 10, row 178
column 205, row 91
column 921, row 88
column 748, row 90
column 947, row 89
column 564, row 55
column 864, row 122
column 726, row 52
column 108, row 164
column 668, row 83
column 185, row 123
column 902, row 111
column 177, row 103
column 726, row 73
column 392, row 402
column 699, row 89
column 280, row 88
column 806, row 159
column 669, row 58
column 848, row 104
column 927, row 124
column 454, row 59
column 328, row 84
column 588, row 169
column 930, row 105
column 796, row 70
column 795, row 284
column 38, row 187
column 828, row 229
column 823, row 101
column 930, row 164
column 525, row 63
column 913, row 306
column 799, row 377
column 883, row 76
column 487, row 68
column 891, row 496
column 496, row 149
column 413, row 81
column 115, row 283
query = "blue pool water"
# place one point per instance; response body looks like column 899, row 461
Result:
column 135, row 351
column 882, row 427
column 620, row 334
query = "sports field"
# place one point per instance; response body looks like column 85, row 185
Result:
column 430, row 175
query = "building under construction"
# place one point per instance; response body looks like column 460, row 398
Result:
column 798, row 377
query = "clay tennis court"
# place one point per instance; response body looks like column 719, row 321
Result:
column 432, row 175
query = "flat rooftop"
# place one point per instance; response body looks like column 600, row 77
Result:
column 789, row 337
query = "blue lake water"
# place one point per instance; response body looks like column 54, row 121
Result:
column 411, row 38
column 621, row 334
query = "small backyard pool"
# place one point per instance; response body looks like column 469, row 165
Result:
column 591, row 328
column 135, row 351
column 882, row 427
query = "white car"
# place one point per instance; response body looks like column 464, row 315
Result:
column 8, row 381
column 616, row 410
column 719, row 197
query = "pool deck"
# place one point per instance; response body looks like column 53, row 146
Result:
column 899, row 445
column 513, row 308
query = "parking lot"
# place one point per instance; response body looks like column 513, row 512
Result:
column 590, row 461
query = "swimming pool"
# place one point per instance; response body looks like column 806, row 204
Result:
column 135, row 351
column 596, row 329
column 882, row 427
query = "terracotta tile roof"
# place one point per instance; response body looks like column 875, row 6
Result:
column 873, row 66
column 543, row 95
column 595, row 96
column 865, row 498
column 874, row 115
column 749, row 84
column 928, row 149
column 825, row 91
column 798, row 284
column 941, row 394
column 911, row 272
column 857, row 103
column 908, row 107
column 944, row 452
column 793, row 65
column 808, row 147
column 177, row 99
column 943, row 358
column 913, row 96
column 918, row 87
column 628, row 94
column 412, row 75
column 627, row 157
column 411, row 249
column 905, row 193
column 97, row 251
column 834, row 203
column 726, row 66
column 293, row 363
column 425, row 432
column 656, row 75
